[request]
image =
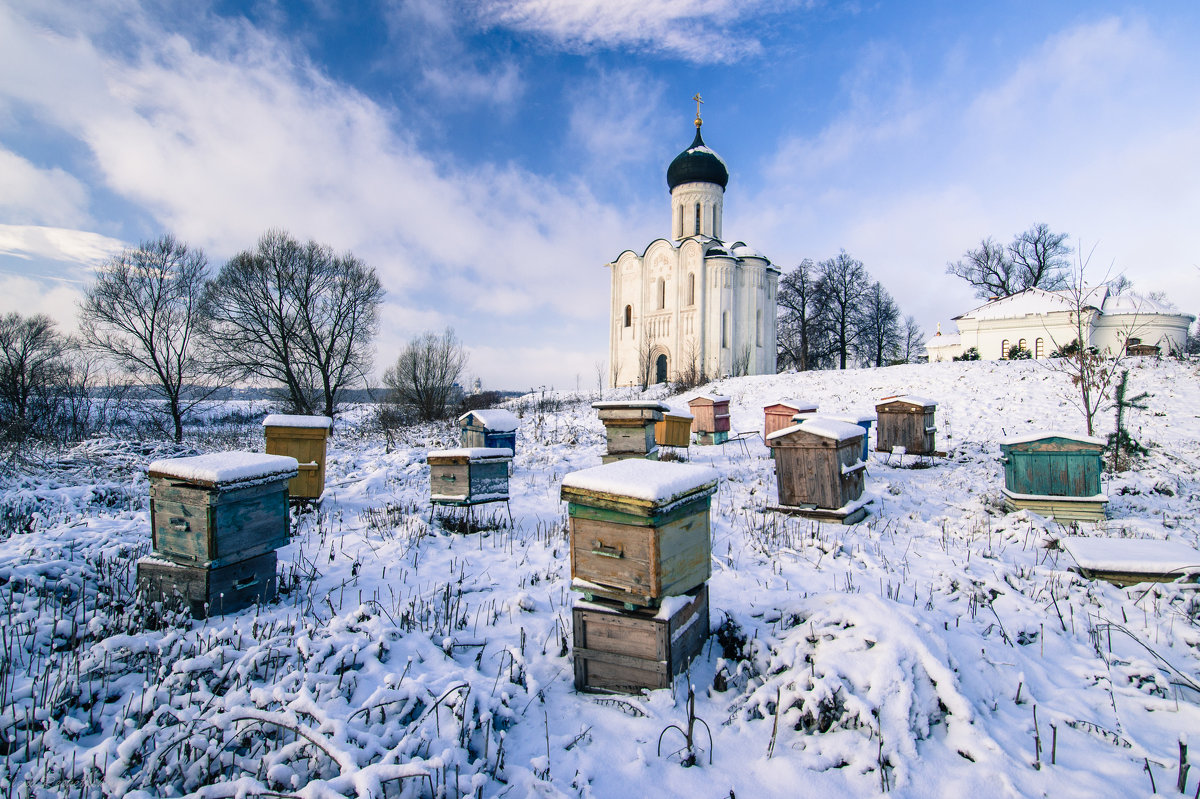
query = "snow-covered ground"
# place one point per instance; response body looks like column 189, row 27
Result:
column 940, row 648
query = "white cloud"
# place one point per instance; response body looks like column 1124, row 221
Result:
column 701, row 31
column 32, row 195
column 28, row 297
column 615, row 116
column 76, row 247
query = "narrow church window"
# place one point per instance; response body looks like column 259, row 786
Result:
column 691, row 296
column 1004, row 349
column 662, row 293
column 628, row 315
column 1039, row 348
column 697, row 219
column 758, row 328
column 725, row 328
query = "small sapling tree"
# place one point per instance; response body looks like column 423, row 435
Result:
column 1122, row 446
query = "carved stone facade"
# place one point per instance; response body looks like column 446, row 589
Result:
column 692, row 303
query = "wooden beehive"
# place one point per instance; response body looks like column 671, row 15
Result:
column 495, row 428
column 818, row 467
column 629, row 428
column 675, row 430
column 622, row 651
column 468, row 476
column 908, row 422
column 778, row 415
column 639, row 529
column 712, row 414
column 303, row 438
column 209, row 591
column 216, row 509
column 1054, row 474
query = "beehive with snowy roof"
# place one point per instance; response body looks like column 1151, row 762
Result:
column 819, row 465
column 906, row 422
column 304, row 438
column 489, row 427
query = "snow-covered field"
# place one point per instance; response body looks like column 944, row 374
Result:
column 940, row 648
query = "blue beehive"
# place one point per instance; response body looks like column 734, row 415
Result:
column 490, row 427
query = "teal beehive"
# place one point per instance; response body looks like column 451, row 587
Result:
column 1055, row 474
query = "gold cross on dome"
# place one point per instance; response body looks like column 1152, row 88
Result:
column 698, row 102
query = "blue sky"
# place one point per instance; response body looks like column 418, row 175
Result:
column 488, row 157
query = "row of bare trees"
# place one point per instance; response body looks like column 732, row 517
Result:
column 832, row 314
column 295, row 317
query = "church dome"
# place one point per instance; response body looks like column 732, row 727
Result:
column 697, row 164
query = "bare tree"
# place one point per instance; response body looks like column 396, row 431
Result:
column 842, row 283
column 423, row 377
column 31, row 367
column 801, row 319
column 913, row 338
column 1037, row 258
column 1091, row 372
column 598, row 365
column 645, row 358
column 297, row 316
column 690, row 370
column 143, row 313
column 878, row 326
column 1041, row 258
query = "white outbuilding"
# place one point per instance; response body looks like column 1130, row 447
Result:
column 1041, row 322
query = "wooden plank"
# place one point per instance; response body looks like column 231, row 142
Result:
column 607, row 514
column 218, row 528
column 821, row 514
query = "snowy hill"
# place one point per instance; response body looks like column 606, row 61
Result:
column 942, row 647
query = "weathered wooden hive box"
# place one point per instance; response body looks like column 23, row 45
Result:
column 778, row 415
column 712, row 418
column 216, row 509
column 864, row 419
column 303, row 438
column 495, row 428
column 818, row 464
column 639, row 529
column 209, row 591
column 629, row 428
column 906, row 421
column 468, row 476
column 1054, row 474
column 675, row 430
column 1129, row 561
column 622, row 651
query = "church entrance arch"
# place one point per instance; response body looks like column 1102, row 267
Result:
column 660, row 368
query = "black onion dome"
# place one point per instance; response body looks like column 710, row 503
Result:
column 697, row 164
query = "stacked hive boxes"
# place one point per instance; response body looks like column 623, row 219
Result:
column 216, row 521
column 641, row 556
column 711, row 422
column 629, row 428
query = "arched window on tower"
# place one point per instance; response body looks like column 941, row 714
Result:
column 725, row 328
column 628, row 315
column 758, row 328
column 697, row 219
column 691, row 295
column 660, row 290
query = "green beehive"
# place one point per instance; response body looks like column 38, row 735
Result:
column 1055, row 474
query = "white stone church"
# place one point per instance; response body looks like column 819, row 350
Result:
column 692, row 300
